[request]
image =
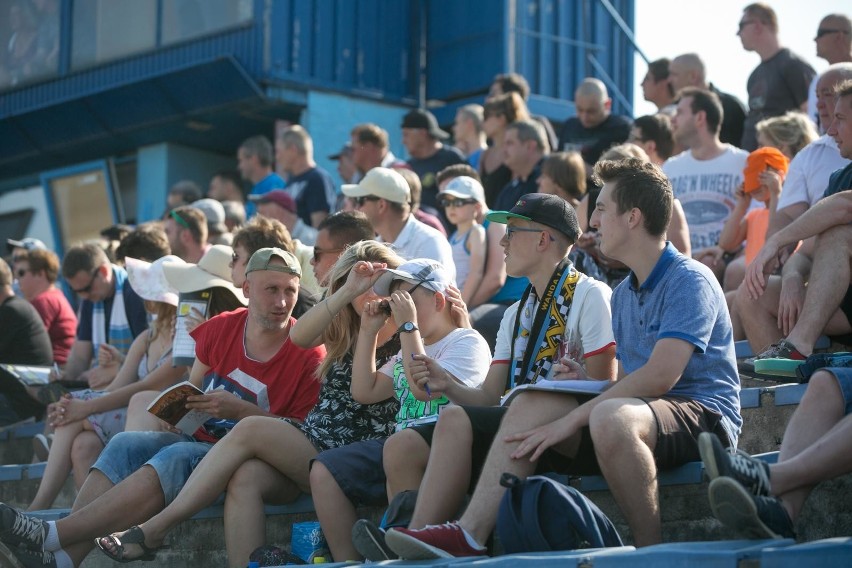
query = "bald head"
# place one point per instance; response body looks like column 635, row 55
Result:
column 687, row 70
column 591, row 102
column 592, row 88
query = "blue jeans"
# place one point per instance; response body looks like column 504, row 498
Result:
column 173, row 457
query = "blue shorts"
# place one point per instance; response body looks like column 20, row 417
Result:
column 173, row 457
column 359, row 471
column 844, row 380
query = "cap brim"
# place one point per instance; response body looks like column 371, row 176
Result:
column 440, row 134
column 189, row 278
column 353, row 190
column 256, row 198
column 457, row 194
column 503, row 217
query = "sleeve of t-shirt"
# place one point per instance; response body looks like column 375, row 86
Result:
column 203, row 343
column 798, row 76
column 466, row 358
column 84, row 323
column 595, row 323
column 315, row 194
column 308, row 387
column 387, row 368
column 693, row 325
column 134, row 307
column 795, row 188
column 503, row 345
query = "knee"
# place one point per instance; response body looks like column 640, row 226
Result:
column 402, row 451
column 837, row 236
column 822, row 390
column 85, row 446
column 138, row 405
column 242, row 481
column 248, row 426
column 453, row 420
column 615, row 422
column 321, row 478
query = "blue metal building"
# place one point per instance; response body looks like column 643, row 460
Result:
column 133, row 95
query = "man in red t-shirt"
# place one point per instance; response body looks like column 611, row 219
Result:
column 248, row 366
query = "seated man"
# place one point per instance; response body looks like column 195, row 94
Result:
column 110, row 312
column 248, row 366
column 780, row 310
column 677, row 379
column 760, row 500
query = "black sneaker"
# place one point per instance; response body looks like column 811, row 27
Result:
column 20, row 530
column 749, row 515
column 781, row 350
column 751, row 473
column 369, row 540
column 20, row 557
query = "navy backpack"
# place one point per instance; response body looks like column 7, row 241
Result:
column 539, row 514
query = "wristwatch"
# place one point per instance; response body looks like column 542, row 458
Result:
column 407, row 327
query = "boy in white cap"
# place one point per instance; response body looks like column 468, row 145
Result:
column 353, row 475
column 463, row 200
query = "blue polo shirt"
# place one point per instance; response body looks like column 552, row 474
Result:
column 838, row 181
column 267, row 184
column 681, row 298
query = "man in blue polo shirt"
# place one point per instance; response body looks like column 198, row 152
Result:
column 677, row 378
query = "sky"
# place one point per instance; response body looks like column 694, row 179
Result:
column 709, row 29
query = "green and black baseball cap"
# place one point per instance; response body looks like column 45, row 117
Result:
column 544, row 208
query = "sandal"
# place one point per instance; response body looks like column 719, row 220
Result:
column 133, row 535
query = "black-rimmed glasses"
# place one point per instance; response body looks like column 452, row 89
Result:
column 512, row 230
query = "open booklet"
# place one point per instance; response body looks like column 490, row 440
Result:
column 29, row 375
column 588, row 387
column 183, row 348
column 170, row 407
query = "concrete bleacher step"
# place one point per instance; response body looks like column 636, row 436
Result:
column 766, row 410
column 16, row 441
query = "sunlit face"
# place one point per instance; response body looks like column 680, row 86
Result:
column 683, row 123
column 322, row 260
column 285, row 156
column 91, row 286
column 460, row 126
column 239, row 260
column 272, row 296
column 841, row 126
column 515, row 154
column 247, row 164
column 826, row 99
column 520, row 246
column 748, row 30
column 611, row 225
column 591, row 111
column 27, row 281
column 678, row 75
column 173, row 231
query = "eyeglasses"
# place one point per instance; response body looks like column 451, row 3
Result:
column 21, row 272
column 318, row 252
column 512, row 230
column 418, row 285
column 456, row 202
column 744, row 23
column 88, row 288
column 825, row 31
column 180, row 220
column 360, row 201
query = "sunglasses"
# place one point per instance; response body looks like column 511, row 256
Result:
column 360, row 201
column 741, row 26
column 88, row 288
column 510, row 231
column 456, row 202
column 318, row 252
column 825, row 31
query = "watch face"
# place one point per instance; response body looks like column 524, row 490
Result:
column 408, row 326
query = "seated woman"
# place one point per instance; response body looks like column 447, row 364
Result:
column 86, row 420
column 266, row 460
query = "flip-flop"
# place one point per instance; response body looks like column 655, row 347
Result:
column 133, row 535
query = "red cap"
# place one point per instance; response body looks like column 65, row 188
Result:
column 278, row 196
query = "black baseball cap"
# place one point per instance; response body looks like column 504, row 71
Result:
column 550, row 210
column 419, row 118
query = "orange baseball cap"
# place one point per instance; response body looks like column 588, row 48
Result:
column 758, row 162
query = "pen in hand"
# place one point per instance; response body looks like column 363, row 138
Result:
column 425, row 385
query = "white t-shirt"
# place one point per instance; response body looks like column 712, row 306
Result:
column 463, row 353
column 418, row 240
column 590, row 317
column 807, row 176
column 706, row 190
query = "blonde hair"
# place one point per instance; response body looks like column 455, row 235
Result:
column 794, row 130
column 164, row 322
column 625, row 151
column 342, row 333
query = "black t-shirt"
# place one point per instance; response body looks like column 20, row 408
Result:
column 517, row 188
column 733, row 118
column 428, row 167
column 313, row 191
column 23, row 337
column 494, row 183
column 779, row 84
column 592, row 142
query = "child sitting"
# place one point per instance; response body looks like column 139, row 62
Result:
column 463, row 200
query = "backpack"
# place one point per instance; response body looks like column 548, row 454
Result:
column 539, row 514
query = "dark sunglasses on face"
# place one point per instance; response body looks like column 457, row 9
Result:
column 456, row 202
column 360, row 201
column 88, row 288
column 318, row 252
column 825, row 31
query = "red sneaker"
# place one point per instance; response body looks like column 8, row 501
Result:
column 434, row 541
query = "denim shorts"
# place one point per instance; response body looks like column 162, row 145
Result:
column 359, row 471
column 173, row 457
column 844, row 380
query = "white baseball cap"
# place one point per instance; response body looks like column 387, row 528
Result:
column 425, row 272
column 381, row 182
column 464, row 187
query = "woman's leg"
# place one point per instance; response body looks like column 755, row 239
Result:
column 335, row 512
column 138, row 417
column 58, row 466
column 84, row 453
column 253, row 484
column 274, row 441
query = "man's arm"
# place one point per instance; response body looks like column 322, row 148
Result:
column 783, row 217
column 79, row 360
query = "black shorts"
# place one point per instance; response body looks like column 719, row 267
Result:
column 846, row 305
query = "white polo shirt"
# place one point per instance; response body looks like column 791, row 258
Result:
column 418, row 240
column 807, row 176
